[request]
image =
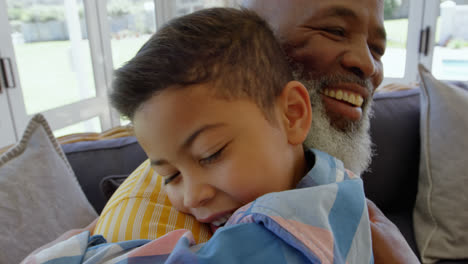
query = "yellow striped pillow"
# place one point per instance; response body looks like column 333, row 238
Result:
column 140, row 209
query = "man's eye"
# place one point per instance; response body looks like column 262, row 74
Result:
column 213, row 157
column 169, row 179
column 378, row 50
column 335, row 31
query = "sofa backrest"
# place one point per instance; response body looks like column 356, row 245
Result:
column 93, row 160
column 392, row 179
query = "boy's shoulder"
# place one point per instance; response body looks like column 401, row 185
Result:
column 324, row 169
column 327, row 208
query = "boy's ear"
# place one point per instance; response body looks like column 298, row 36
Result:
column 296, row 111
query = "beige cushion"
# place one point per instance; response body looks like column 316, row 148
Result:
column 40, row 198
column 441, row 210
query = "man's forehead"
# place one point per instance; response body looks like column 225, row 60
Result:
column 340, row 7
column 284, row 14
column 296, row 7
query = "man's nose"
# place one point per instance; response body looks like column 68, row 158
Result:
column 359, row 60
column 197, row 194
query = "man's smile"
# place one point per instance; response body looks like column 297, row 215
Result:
column 346, row 96
column 345, row 100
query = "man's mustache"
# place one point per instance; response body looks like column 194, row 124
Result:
column 332, row 79
column 320, row 82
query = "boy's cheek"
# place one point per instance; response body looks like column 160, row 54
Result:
column 176, row 200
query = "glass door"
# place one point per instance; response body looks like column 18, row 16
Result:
column 61, row 55
column 7, row 130
column 49, row 45
column 130, row 23
column 402, row 21
column 449, row 58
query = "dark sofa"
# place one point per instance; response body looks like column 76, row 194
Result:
column 391, row 181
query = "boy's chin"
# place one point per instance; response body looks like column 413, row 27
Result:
column 213, row 228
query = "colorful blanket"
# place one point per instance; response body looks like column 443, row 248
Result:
column 324, row 221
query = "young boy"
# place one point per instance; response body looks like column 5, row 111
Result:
column 214, row 106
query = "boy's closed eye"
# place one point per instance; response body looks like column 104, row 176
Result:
column 169, row 179
column 213, row 157
column 210, row 159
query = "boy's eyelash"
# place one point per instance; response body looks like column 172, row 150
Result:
column 213, row 157
column 170, row 178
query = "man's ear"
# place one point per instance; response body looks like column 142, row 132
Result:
column 296, row 111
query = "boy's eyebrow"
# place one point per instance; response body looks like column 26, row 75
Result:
column 197, row 132
column 189, row 140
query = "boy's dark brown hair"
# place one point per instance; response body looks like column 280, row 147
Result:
column 233, row 50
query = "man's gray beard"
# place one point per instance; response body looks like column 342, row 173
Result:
column 353, row 146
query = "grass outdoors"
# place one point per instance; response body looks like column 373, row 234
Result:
column 397, row 32
column 48, row 77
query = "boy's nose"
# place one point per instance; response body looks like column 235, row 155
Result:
column 197, row 194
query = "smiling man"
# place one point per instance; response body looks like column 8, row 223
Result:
column 335, row 48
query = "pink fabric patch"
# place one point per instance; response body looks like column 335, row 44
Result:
column 163, row 245
column 238, row 214
column 351, row 174
column 318, row 240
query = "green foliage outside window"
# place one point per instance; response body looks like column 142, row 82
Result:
column 389, row 8
column 36, row 13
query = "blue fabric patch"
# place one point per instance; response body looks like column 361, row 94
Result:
column 66, row 260
column 96, row 240
column 145, row 260
column 273, row 226
column 343, row 218
column 246, row 239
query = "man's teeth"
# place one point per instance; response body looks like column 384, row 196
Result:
column 221, row 221
column 351, row 98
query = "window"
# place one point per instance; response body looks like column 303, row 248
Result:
column 57, row 56
column 427, row 32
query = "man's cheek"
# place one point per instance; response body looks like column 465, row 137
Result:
column 378, row 77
